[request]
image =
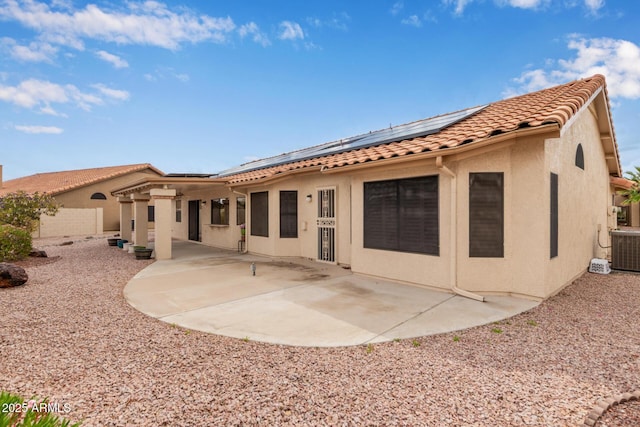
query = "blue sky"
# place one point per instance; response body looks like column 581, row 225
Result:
column 193, row 86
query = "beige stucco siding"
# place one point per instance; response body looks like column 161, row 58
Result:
column 426, row 270
column 305, row 245
column 520, row 270
column 220, row 236
column 584, row 200
column 81, row 197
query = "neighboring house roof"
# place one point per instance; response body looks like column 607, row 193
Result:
column 554, row 106
column 54, row 183
column 622, row 183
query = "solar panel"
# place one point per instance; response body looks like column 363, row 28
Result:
column 384, row 136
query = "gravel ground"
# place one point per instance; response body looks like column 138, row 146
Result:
column 68, row 334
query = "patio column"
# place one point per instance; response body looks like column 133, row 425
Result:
column 125, row 217
column 162, row 198
column 141, row 203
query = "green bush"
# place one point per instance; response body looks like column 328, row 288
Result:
column 15, row 243
column 23, row 210
column 18, row 412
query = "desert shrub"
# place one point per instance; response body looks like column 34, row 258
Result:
column 15, row 243
column 18, row 412
column 23, row 210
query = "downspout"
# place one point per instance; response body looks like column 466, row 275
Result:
column 246, row 235
column 453, row 235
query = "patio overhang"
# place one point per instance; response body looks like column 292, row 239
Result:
column 182, row 185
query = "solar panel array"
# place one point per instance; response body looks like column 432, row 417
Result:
column 416, row 129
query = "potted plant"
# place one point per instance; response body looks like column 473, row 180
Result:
column 113, row 241
column 143, row 253
column 121, row 242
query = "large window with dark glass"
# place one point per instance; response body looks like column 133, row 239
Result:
column 288, row 214
column 402, row 215
column 486, row 214
column 220, row 211
column 260, row 214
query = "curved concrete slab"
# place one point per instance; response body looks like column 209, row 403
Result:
column 299, row 302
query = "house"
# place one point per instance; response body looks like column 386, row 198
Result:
column 628, row 214
column 83, row 189
column 513, row 197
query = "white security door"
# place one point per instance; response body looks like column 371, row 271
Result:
column 327, row 224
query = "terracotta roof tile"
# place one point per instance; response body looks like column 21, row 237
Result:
column 58, row 182
column 554, row 105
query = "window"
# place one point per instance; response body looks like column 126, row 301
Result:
column 98, row 196
column 402, row 215
column 220, row 211
column 151, row 213
column 260, row 214
column 241, row 203
column 178, row 210
column 288, row 214
column 486, row 215
column 580, row 157
column 554, row 216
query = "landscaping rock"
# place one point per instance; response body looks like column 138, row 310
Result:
column 11, row 275
column 67, row 243
column 37, row 253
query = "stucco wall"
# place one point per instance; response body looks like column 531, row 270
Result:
column 221, row 236
column 305, row 245
column 585, row 200
column 71, row 222
column 426, row 270
column 81, row 197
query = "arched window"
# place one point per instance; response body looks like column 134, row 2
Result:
column 98, row 196
column 580, row 157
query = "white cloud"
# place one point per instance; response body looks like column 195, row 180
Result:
column 338, row 21
column 166, row 72
column 290, row 31
column 148, row 23
column 413, row 20
column 594, row 5
column 617, row 60
column 397, row 7
column 114, row 60
column 34, row 52
column 460, row 5
column 39, row 129
column 41, row 95
column 120, row 95
column 524, row 4
column 253, row 30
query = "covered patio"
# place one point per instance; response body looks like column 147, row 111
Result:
column 163, row 192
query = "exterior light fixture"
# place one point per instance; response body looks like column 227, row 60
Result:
column 308, row 198
column 204, row 203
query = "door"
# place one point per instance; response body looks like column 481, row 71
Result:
column 194, row 220
column 327, row 225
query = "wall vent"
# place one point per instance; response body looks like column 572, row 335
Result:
column 625, row 250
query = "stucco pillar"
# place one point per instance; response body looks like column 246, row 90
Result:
column 141, row 231
column 162, row 198
column 125, row 217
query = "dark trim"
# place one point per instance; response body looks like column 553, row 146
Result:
column 553, row 220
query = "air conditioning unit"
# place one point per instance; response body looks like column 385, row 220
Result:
column 625, row 250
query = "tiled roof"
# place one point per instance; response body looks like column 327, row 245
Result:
column 58, row 182
column 623, row 183
column 555, row 105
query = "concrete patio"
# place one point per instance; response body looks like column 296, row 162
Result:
column 299, row 302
